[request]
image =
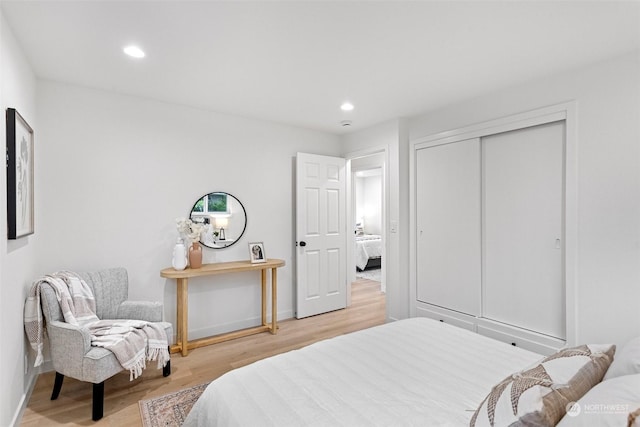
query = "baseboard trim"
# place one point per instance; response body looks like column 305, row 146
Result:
column 24, row 401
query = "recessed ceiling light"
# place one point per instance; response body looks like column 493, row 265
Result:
column 346, row 106
column 134, row 51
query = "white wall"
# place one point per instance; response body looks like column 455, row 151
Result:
column 111, row 175
column 116, row 171
column 369, row 202
column 17, row 257
column 391, row 136
column 608, row 163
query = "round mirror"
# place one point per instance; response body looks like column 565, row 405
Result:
column 223, row 217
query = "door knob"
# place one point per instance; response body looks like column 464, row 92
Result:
column 303, row 243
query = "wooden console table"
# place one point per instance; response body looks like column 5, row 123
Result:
column 183, row 344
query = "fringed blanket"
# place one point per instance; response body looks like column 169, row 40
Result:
column 133, row 342
column 76, row 303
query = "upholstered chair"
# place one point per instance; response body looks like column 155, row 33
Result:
column 71, row 351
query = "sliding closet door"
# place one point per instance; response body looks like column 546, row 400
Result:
column 522, row 228
column 448, row 226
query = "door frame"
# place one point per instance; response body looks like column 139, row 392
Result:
column 351, row 240
column 565, row 111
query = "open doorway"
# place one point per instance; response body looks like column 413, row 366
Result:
column 368, row 219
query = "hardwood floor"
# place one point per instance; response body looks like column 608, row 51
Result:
column 73, row 406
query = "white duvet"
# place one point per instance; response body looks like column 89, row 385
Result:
column 368, row 246
column 414, row 372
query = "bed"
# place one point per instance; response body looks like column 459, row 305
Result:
column 368, row 251
column 411, row 372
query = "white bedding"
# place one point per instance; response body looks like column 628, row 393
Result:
column 414, row 372
column 367, row 246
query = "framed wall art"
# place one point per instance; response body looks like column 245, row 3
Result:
column 256, row 252
column 20, row 209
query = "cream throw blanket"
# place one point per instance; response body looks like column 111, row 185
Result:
column 133, row 342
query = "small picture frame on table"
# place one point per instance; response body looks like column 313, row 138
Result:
column 20, row 210
column 256, row 252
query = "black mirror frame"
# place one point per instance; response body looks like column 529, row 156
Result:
column 243, row 210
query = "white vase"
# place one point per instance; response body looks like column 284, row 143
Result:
column 179, row 261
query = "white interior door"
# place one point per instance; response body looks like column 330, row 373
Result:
column 321, row 278
column 523, row 209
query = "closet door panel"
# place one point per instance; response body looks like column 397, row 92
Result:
column 522, row 227
column 448, row 226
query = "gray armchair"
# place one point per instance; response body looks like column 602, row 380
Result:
column 71, row 351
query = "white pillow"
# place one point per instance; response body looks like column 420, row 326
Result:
column 539, row 395
column 626, row 361
column 607, row 404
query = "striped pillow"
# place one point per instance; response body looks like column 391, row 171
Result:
column 540, row 395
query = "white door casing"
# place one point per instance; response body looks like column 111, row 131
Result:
column 320, row 234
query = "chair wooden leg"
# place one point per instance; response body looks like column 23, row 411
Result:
column 166, row 369
column 57, row 386
column 98, row 401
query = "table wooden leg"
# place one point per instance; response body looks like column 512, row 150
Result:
column 263, row 276
column 183, row 345
column 183, row 315
column 274, row 301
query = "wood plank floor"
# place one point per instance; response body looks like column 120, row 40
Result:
column 73, row 406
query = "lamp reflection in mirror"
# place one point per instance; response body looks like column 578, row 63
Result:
column 221, row 224
column 210, row 209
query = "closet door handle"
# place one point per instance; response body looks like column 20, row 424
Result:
column 303, row 243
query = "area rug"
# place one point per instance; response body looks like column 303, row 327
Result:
column 170, row 410
column 372, row 274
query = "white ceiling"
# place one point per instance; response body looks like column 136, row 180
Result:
column 296, row 62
